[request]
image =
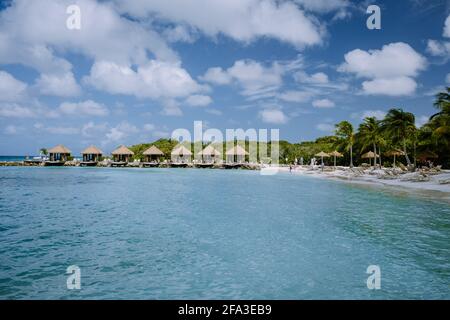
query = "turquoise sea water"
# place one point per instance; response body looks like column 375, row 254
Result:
column 213, row 234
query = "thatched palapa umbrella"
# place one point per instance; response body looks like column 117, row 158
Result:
column 425, row 155
column 336, row 154
column 322, row 154
column 395, row 153
column 369, row 155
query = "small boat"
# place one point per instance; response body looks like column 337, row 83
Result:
column 39, row 158
column 36, row 160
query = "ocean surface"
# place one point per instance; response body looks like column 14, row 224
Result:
column 215, row 234
column 13, row 158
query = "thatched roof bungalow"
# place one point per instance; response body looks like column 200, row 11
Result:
column 59, row 154
column 91, row 155
column 122, row 155
column 210, row 154
column 181, row 154
column 152, row 154
column 236, row 154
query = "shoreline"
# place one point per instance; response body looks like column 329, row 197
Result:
column 436, row 182
column 406, row 180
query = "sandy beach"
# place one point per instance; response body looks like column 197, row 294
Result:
column 431, row 181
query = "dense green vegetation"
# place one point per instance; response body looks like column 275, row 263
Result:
column 397, row 131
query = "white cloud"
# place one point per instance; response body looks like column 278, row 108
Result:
column 120, row 132
column 91, row 129
column 325, row 127
column 62, row 85
column 441, row 48
column 63, row 130
column 114, row 134
column 155, row 80
column 216, row 75
column 215, row 112
column 447, row 27
column 32, row 31
column 12, row 130
column 296, row 96
column 319, row 80
column 255, row 79
column 323, row 103
column 179, row 33
column 57, row 130
column 14, row 110
column 11, row 89
column 171, row 108
column 32, row 109
column 198, row 100
column 438, row 48
column 274, row 116
column 88, row 107
column 393, row 60
column 379, row 114
column 399, row 86
column 316, row 78
column 323, row 6
column 149, row 127
column 242, row 20
column 421, row 120
column 391, row 70
column 161, row 134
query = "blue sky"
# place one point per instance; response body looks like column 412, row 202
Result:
column 137, row 70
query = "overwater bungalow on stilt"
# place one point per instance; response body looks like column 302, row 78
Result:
column 121, row 156
column 235, row 157
column 91, row 156
column 180, row 156
column 210, row 156
column 152, row 157
column 57, row 156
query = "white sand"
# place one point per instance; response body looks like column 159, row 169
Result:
column 372, row 177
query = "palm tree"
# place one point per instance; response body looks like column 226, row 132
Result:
column 440, row 122
column 399, row 125
column 344, row 131
column 442, row 102
column 43, row 151
column 369, row 134
column 381, row 141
